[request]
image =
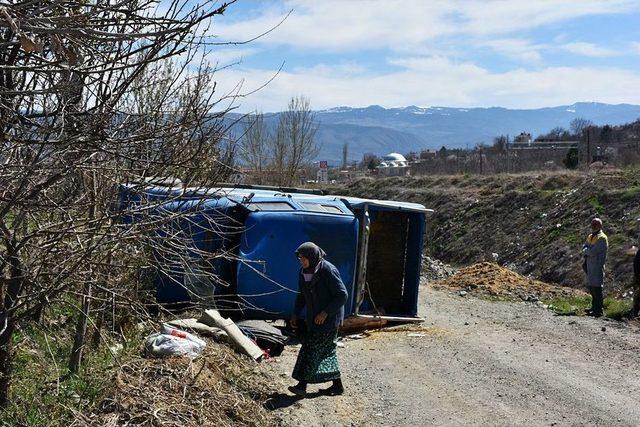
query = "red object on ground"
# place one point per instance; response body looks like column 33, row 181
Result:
column 179, row 334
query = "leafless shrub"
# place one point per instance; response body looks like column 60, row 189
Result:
column 92, row 95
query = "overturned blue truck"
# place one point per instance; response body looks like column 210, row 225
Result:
column 376, row 245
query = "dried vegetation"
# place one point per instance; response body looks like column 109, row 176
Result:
column 220, row 388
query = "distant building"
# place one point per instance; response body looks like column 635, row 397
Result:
column 523, row 138
column 544, row 145
column 393, row 164
column 428, row 154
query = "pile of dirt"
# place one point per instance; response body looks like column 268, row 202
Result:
column 219, row 388
column 434, row 269
column 489, row 279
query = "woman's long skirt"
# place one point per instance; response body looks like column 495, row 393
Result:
column 317, row 361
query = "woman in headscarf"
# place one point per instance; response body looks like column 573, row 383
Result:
column 323, row 295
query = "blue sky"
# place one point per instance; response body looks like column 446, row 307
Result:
column 516, row 54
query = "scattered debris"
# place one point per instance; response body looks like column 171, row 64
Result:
column 116, row 348
column 433, row 269
column 489, row 279
column 356, row 336
column 268, row 338
column 235, row 335
column 171, row 341
column 202, row 329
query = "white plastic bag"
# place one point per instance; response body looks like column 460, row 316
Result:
column 173, row 342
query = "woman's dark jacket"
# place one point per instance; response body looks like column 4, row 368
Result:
column 325, row 292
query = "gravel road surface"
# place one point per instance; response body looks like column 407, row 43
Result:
column 478, row 362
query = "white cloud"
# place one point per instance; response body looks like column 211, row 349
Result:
column 403, row 25
column 518, row 49
column 438, row 81
column 423, row 37
column 588, row 49
column 635, row 47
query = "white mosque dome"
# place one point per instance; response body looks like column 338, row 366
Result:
column 395, row 157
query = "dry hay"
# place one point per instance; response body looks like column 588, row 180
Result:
column 489, row 279
column 219, row 388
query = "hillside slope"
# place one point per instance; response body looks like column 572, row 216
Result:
column 534, row 223
column 372, row 139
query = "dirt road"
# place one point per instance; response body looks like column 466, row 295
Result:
column 477, row 362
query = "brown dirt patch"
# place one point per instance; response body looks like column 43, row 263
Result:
column 489, row 279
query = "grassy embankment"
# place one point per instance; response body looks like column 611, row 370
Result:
column 116, row 383
column 534, row 222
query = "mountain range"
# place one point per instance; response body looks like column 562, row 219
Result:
column 380, row 130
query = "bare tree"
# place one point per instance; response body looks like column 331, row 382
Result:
column 294, row 144
column 578, row 125
column 500, row 143
column 94, row 94
column 555, row 134
column 369, row 161
column 256, row 143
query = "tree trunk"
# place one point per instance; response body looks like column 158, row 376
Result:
column 7, row 326
column 81, row 332
column 6, row 359
column 81, row 327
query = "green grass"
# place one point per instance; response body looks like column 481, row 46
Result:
column 573, row 238
column 616, row 309
column 576, row 306
column 548, row 194
column 619, row 240
column 42, row 393
column 595, row 203
column 570, row 306
column 630, row 193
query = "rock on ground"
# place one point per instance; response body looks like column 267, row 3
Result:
column 434, row 269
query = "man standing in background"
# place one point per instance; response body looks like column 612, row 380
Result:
column 595, row 256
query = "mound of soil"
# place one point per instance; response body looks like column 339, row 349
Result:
column 219, row 388
column 489, row 279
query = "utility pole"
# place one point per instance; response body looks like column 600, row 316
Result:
column 507, row 150
column 588, row 159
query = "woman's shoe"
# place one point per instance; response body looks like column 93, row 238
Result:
column 334, row 390
column 297, row 390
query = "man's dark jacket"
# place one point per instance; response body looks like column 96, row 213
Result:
column 325, row 292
